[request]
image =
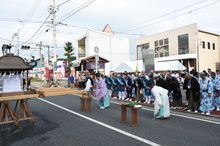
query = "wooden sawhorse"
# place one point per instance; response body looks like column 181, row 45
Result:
column 133, row 114
column 85, row 101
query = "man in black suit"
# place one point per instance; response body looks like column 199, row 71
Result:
column 192, row 88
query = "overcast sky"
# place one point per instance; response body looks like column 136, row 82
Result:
column 132, row 19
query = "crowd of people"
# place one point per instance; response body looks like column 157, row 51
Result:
column 202, row 89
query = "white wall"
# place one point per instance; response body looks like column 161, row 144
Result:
column 113, row 48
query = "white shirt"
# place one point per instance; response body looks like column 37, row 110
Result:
column 88, row 85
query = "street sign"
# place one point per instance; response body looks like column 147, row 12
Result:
column 96, row 49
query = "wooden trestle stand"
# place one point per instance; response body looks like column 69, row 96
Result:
column 22, row 110
column 134, row 121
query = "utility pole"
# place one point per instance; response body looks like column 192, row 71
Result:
column 52, row 10
column 18, row 42
column 41, row 57
column 17, row 46
column 48, row 55
column 54, row 40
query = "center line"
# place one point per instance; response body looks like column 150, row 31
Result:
column 103, row 124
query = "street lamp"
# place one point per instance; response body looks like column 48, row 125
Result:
column 96, row 49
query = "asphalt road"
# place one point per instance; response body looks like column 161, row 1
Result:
column 60, row 122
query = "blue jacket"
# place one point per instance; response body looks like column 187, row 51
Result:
column 72, row 79
column 109, row 82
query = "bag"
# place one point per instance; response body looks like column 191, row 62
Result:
column 141, row 91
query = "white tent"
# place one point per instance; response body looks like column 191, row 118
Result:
column 130, row 66
column 169, row 65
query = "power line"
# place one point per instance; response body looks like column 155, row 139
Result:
column 37, row 30
column 34, row 40
column 189, row 12
column 76, row 10
column 19, row 20
column 31, row 13
column 136, row 24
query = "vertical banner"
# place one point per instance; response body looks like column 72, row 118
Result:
column 148, row 57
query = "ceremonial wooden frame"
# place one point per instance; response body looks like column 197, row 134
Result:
column 134, row 120
column 22, row 110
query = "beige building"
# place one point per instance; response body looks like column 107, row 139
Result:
column 191, row 47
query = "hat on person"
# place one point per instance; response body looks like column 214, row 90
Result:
column 98, row 75
column 151, row 82
column 135, row 78
column 155, row 75
column 202, row 74
column 172, row 75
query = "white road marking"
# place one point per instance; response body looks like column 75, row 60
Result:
column 103, row 124
column 193, row 118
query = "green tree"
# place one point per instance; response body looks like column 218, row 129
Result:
column 69, row 55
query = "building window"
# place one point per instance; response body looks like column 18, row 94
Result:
column 146, row 46
column 155, row 43
column 156, row 49
column 166, row 48
column 208, row 45
column 183, row 42
column 81, row 51
column 166, row 53
column 161, row 54
column 213, row 46
column 140, row 50
column 203, row 44
column 166, row 41
column 156, row 55
column 161, row 42
column 81, row 48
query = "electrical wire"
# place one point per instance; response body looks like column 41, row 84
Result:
column 76, row 10
column 37, row 30
column 189, row 12
column 30, row 14
column 19, row 20
column 147, row 21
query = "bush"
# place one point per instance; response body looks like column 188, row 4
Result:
column 36, row 79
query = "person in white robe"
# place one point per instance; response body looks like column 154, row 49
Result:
column 161, row 104
column 89, row 86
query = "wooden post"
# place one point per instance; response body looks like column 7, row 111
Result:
column 25, row 111
column 134, row 117
column 88, row 103
column 3, row 114
column 82, row 108
column 123, row 114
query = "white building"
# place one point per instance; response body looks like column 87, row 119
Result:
column 192, row 47
column 112, row 47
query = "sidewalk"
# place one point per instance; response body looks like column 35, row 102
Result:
column 214, row 113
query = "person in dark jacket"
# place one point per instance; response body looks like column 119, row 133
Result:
column 191, row 85
column 174, row 89
column 161, row 82
column 129, row 87
column 138, row 86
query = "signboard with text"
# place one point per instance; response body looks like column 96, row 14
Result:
column 148, row 58
column 91, row 65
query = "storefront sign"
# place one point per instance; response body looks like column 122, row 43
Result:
column 91, row 65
